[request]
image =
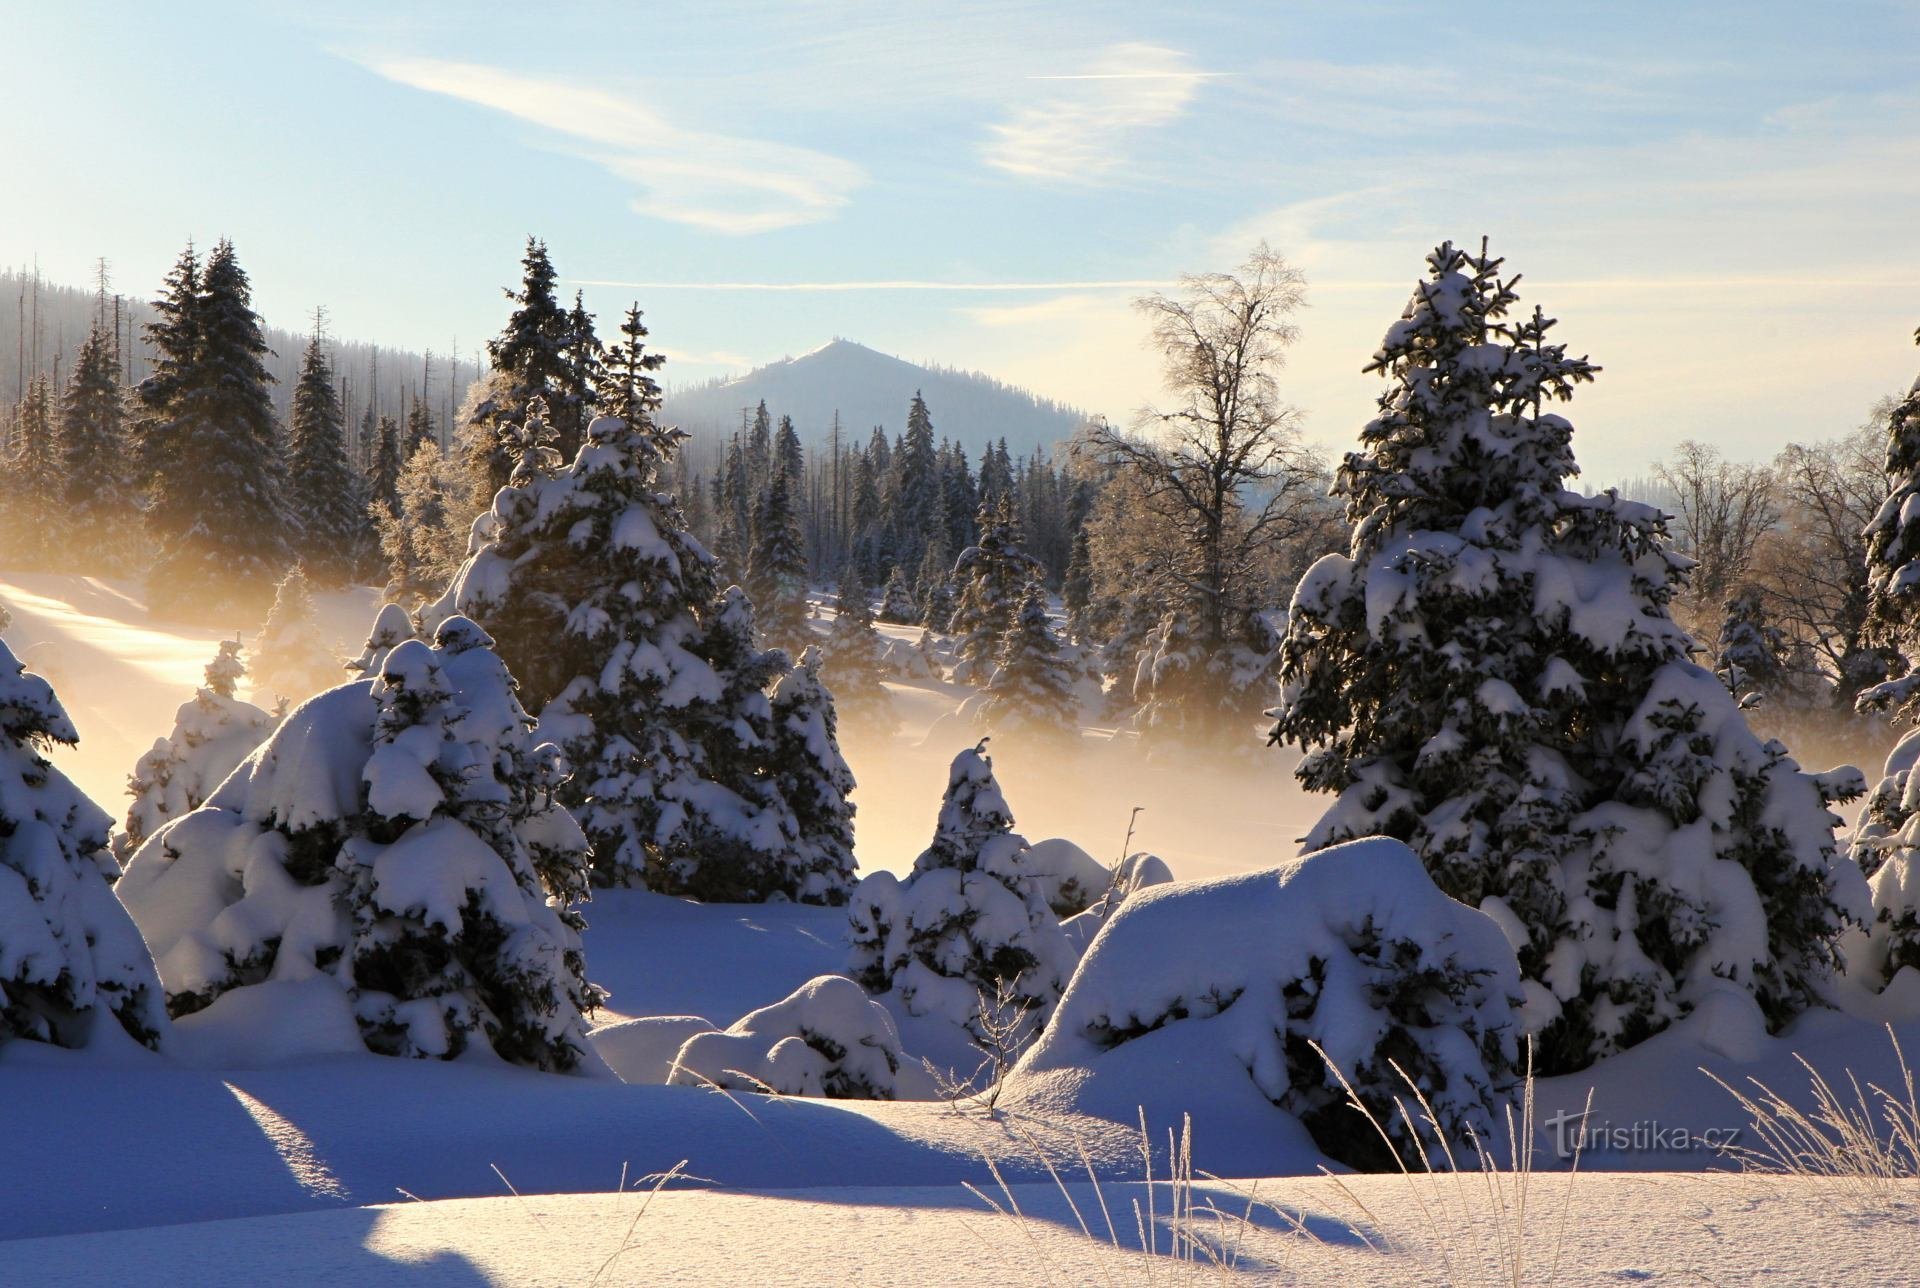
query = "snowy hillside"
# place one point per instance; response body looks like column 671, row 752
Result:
column 869, row 388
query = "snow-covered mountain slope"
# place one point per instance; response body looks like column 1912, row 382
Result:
column 870, row 388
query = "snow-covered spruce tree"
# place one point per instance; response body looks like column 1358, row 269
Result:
column 934, row 594
column 327, row 493
column 217, row 509
column 290, row 660
column 1492, row 675
column 968, row 930
column 383, row 472
column 1751, row 651
column 777, row 568
column 1076, row 588
column 211, row 735
column 1886, row 839
column 813, row 779
column 991, row 576
column 102, row 508
column 604, row 604
column 1186, row 690
column 896, row 600
column 396, row 839
column 68, row 951
column 1031, row 693
column 853, row 659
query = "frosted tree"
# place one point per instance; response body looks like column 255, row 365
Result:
column 605, row 605
column 397, row 839
column 991, row 577
column 968, row 935
column 1031, row 693
column 813, row 779
column 328, row 495
column 1886, row 839
column 777, row 568
column 99, row 500
column 1493, row 676
column 291, row 661
column 854, row 658
column 1185, row 687
column 69, row 955
column 211, row 735
column 1751, row 650
column 896, row 600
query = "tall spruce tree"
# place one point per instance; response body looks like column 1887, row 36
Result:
column 537, row 355
column 1030, row 696
column 991, row 578
column 217, row 509
column 327, row 493
column 777, row 568
column 383, row 476
column 99, row 501
column 173, row 341
column 1493, row 675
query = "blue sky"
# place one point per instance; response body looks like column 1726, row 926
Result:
column 1721, row 202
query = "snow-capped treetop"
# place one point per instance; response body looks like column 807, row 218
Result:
column 391, row 625
column 211, row 735
column 226, row 670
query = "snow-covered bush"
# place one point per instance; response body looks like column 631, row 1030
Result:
column 68, row 950
column 1067, row 877
column 1886, row 845
column 290, row 660
column 1031, row 694
column 1492, row 674
column 904, row 661
column 605, row 606
column 641, row 1051
column 211, row 735
column 1135, row 873
column 1216, row 983
column 828, row 1038
column 812, row 777
column 398, row 837
column 970, row 922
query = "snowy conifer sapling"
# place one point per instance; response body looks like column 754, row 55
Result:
column 1492, row 675
column 69, row 954
column 854, row 658
column 969, row 930
column 290, row 661
column 813, row 779
column 1031, row 693
column 211, row 735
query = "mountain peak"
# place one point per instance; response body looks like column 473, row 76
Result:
column 868, row 388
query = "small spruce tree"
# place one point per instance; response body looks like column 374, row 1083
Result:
column 69, row 955
column 1030, row 696
column 290, row 660
column 854, row 658
column 896, row 600
column 327, row 493
column 211, row 735
column 812, row 777
column 992, row 577
column 777, row 568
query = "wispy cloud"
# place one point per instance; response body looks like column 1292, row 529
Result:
column 714, row 181
column 1080, row 132
column 900, row 284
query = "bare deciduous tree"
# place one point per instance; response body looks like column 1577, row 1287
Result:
column 1220, row 473
column 1725, row 509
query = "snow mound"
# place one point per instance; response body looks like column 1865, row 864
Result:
column 643, row 1050
column 1352, row 948
column 826, row 1039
